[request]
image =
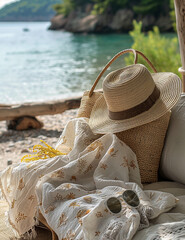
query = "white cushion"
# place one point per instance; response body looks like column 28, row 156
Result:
column 172, row 164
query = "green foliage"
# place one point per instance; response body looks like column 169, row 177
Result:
column 148, row 6
column 161, row 51
column 101, row 7
column 172, row 14
column 28, row 10
column 64, row 8
column 68, row 5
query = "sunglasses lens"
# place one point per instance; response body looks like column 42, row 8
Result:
column 131, row 198
column 114, row 205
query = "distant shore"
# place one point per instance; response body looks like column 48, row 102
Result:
column 82, row 20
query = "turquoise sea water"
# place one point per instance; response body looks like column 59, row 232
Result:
column 38, row 64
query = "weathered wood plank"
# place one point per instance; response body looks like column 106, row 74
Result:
column 9, row 112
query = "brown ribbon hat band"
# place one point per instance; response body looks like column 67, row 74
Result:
column 140, row 108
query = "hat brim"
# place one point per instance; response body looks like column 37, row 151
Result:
column 170, row 88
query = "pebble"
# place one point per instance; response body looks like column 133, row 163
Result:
column 9, row 162
column 24, row 150
column 10, row 145
column 8, row 150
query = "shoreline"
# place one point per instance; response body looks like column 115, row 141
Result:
column 15, row 144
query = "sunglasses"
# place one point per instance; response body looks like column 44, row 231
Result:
column 129, row 196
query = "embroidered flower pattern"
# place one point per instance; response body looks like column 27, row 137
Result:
column 74, row 204
column 125, row 162
column 21, row 184
column 82, row 213
column 59, row 197
column 50, row 209
column 159, row 199
column 42, row 175
column 69, row 236
column 31, row 198
column 112, row 152
column 8, row 189
column 58, row 174
column 132, row 164
column 81, row 165
column 20, row 217
column 70, row 196
column 87, row 141
column 80, row 221
column 73, row 178
column 97, row 233
column 67, row 185
column 151, row 195
column 104, row 166
column 62, row 220
column 99, row 214
column 88, row 199
column 64, row 140
column 97, row 144
column 89, row 168
column 13, row 203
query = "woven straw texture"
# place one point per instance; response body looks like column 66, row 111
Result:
column 146, row 141
column 169, row 85
column 87, row 104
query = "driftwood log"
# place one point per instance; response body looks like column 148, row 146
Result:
column 24, row 123
column 10, row 112
column 180, row 22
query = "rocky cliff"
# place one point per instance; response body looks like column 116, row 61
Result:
column 121, row 21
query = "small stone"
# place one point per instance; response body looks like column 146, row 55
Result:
column 25, row 151
column 9, row 162
column 8, row 150
column 11, row 145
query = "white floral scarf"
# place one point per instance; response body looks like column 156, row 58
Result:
column 71, row 191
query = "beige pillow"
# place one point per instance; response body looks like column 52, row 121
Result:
column 172, row 164
column 146, row 140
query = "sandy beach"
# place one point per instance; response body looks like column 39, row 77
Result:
column 15, row 144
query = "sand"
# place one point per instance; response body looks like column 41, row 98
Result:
column 15, row 144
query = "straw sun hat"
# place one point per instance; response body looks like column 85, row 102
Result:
column 132, row 96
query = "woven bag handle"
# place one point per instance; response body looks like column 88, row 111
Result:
column 135, row 52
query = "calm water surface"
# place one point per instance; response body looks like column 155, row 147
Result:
column 42, row 65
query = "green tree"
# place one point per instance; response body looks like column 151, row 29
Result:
column 28, row 10
column 172, row 14
column 163, row 52
column 65, row 7
column 150, row 6
column 101, row 7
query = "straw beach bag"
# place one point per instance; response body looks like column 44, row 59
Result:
column 145, row 140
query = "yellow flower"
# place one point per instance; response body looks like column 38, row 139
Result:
column 41, row 152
